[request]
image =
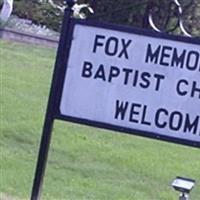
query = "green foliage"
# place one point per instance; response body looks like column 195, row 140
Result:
column 126, row 12
column 84, row 163
column 135, row 13
column 39, row 13
column 121, row 12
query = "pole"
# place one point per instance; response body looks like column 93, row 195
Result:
column 94, row 5
column 49, row 117
column 184, row 196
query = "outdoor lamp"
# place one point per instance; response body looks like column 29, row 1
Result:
column 183, row 185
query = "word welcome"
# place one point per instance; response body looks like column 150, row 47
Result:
column 175, row 120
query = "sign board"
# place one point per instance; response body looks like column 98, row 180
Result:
column 124, row 79
column 133, row 81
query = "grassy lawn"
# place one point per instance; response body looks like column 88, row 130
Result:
column 84, row 163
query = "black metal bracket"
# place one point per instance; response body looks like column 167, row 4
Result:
column 166, row 18
column 174, row 10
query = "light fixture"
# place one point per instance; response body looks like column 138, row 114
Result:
column 183, row 185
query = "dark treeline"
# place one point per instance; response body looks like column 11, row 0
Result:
column 126, row 12
column 135, row 13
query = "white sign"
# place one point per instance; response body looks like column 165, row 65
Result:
column 133, row 81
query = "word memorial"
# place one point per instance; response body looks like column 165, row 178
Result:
column 134, row 82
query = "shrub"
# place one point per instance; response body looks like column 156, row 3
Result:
column 38, row 13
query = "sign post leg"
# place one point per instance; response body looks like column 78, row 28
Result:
column 42, row 158
column 50, row 113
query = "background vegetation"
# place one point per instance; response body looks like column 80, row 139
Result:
column 128, row 12
column 39, row 13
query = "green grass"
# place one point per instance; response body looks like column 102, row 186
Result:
column 84, row 163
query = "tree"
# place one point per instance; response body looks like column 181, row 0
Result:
column 165, row 13
column 126, row 12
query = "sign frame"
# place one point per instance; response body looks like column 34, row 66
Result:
column 60, row 69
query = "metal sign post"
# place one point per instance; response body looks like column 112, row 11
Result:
column 50, row 113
